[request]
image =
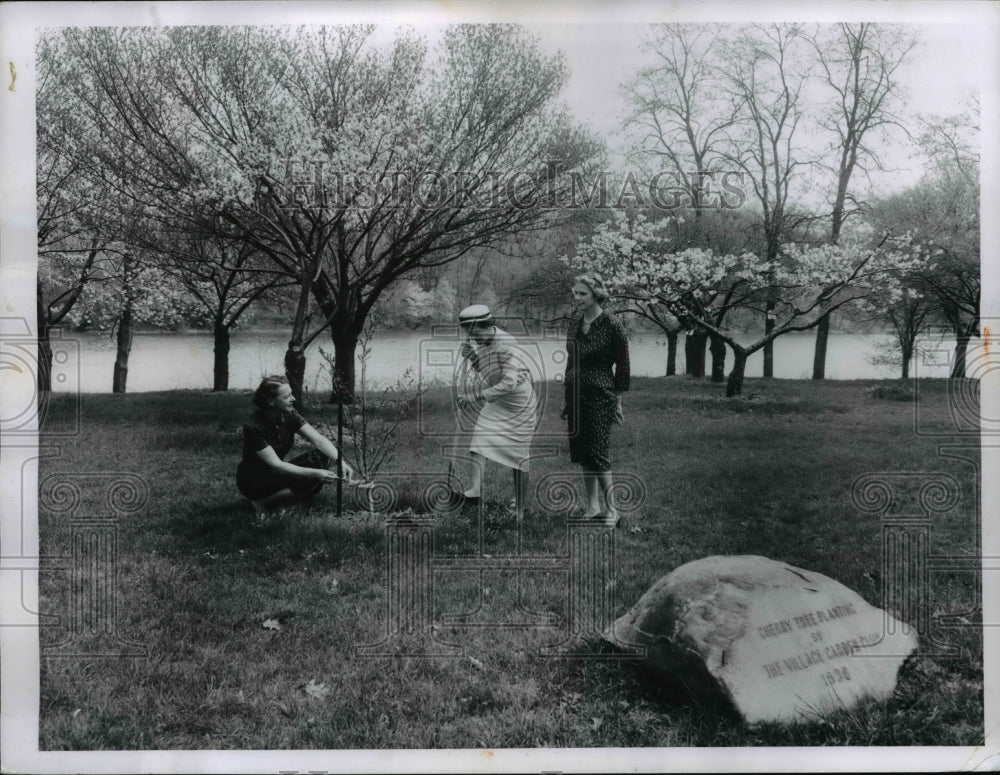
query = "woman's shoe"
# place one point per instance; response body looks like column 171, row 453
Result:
column 610, row 520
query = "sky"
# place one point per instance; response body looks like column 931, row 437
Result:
column 600, row 40
column 956, row 56
column 946, row 64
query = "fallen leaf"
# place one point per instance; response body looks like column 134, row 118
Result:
column 272, row 624
column 477, row 664
column 635, row 529
column 77, row 712
column 595, row 723
column 317, row 691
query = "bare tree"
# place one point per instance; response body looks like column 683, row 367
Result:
column 224, row 277
column 69, row 248
column 858, row 63
column 680, row 117
column 943, row 210
column 765, row 73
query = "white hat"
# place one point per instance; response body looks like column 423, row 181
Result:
column 477, row 313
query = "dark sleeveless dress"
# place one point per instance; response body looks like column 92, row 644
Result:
column 255, row 479
column 597, row 368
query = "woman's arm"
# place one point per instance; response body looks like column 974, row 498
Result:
column 324, row 445
column 269, row 456
column 619, row 352
column 619, row 344
column 507, row 365
column 569, row 375
column 468, row 352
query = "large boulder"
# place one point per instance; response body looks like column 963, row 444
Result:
column 781, row 643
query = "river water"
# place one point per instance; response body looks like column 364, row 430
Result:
column 171, row 361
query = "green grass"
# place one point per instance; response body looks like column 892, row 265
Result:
column 768, row 473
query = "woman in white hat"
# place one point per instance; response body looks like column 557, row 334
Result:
column 495, row 377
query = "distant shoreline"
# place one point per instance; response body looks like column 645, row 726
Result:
column 426, row 330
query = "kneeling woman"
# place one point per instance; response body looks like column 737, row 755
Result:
column 263, row 476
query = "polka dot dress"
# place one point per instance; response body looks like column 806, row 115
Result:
column 597, row 368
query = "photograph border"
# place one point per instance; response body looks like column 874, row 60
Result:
column 19, row 560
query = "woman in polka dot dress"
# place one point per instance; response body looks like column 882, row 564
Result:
column 597, row 373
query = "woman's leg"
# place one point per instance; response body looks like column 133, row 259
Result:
column 267, row 489
column 520, row 492
column 307, row 489
column 284, row 497
column 591, row 507
column 475, row 489
column 607, row 489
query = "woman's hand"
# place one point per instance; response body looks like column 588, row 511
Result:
column 619, row 416
column 350, row 475
column 564, row 414
column 332, row 475
column 467, row 400
column 324, row 474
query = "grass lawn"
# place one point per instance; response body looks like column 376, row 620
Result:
column 769, row 473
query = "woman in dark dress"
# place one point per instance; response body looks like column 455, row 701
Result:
column 263, row 476
column 597, row 373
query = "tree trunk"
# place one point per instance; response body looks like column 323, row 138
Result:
column 694, row 350
column 44, row 344
column 819, row 355
column 958, row 368
column 220, row 368
column 295, row 368
column 124, row 343
column 44, row 360
column 717, row 346
column 671, row 354
column 963, row 335
column 734, row 385
column 345, row 342
column 769, row 346
column 907, row 353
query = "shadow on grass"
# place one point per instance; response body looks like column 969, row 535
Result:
column 280, row 537
column 222, row 526
column 635, row 691
column 765, row 406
